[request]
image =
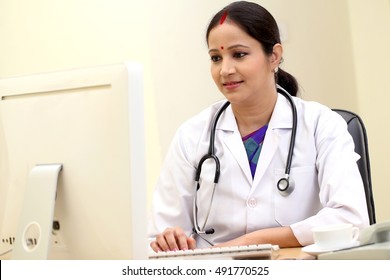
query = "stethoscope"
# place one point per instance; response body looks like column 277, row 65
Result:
column 285, row 184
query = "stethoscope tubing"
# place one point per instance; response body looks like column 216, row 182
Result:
column 294, row 129
column 211, row 153
column 284, row 185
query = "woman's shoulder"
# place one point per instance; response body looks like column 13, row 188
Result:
column 195, row 130
column 320, row 116
column 316, row 110
column 309, row 105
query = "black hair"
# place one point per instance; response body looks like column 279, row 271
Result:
column 258, row 23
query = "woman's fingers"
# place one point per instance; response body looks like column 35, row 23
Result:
column 173, row 239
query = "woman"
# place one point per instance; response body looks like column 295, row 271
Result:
column 252, row 140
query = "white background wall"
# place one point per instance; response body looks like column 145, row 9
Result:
column 337, row 49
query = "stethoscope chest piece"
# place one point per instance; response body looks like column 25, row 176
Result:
column 286, row 185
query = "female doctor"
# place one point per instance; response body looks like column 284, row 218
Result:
column 251, row 142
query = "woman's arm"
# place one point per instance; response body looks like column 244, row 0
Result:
column 282, row 236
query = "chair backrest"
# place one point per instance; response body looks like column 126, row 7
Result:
column 358, row 131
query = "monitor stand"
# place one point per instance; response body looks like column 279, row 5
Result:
column 33, row 236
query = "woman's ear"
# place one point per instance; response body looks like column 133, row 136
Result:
column 276, row 56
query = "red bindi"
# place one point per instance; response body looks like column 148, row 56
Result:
column 222, row 47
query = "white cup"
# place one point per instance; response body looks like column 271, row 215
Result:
column 335, row 236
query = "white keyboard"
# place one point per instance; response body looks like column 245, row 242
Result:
column 262, row 251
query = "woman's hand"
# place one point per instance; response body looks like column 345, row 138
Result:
column 173, row 239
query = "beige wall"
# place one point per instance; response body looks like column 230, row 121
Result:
column 338, row 58
column 370, row 22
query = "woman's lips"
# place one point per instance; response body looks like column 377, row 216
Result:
column 232, row 85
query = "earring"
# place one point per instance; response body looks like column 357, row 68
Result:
column 276, row 70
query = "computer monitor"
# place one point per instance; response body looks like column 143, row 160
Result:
column 90, row 122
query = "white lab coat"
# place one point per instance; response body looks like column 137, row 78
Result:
column 328, row 186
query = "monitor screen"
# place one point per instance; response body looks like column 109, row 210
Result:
column 90, row 121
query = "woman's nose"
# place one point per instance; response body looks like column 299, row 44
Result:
column 227, row 67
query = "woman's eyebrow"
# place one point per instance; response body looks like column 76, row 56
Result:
column 231, row 47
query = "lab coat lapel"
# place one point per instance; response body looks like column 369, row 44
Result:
column 281, row 118
column 234, row 143
column 270, row 145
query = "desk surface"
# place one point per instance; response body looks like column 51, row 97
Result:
column 284, row 254
column 294, row 254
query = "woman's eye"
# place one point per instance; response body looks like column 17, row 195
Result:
column 239, row 54
column 215, row 58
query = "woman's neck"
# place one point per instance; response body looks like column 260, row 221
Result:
column 251, row 117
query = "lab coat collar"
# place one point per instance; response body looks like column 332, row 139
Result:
column 227, row 120
column 281, row 118
column 282, row 114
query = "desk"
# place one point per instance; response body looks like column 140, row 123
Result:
column 284, row 254
column 294, row 253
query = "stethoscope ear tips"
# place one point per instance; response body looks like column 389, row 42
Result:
column 286, row 185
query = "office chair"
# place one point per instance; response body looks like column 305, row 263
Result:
column 358, row 131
